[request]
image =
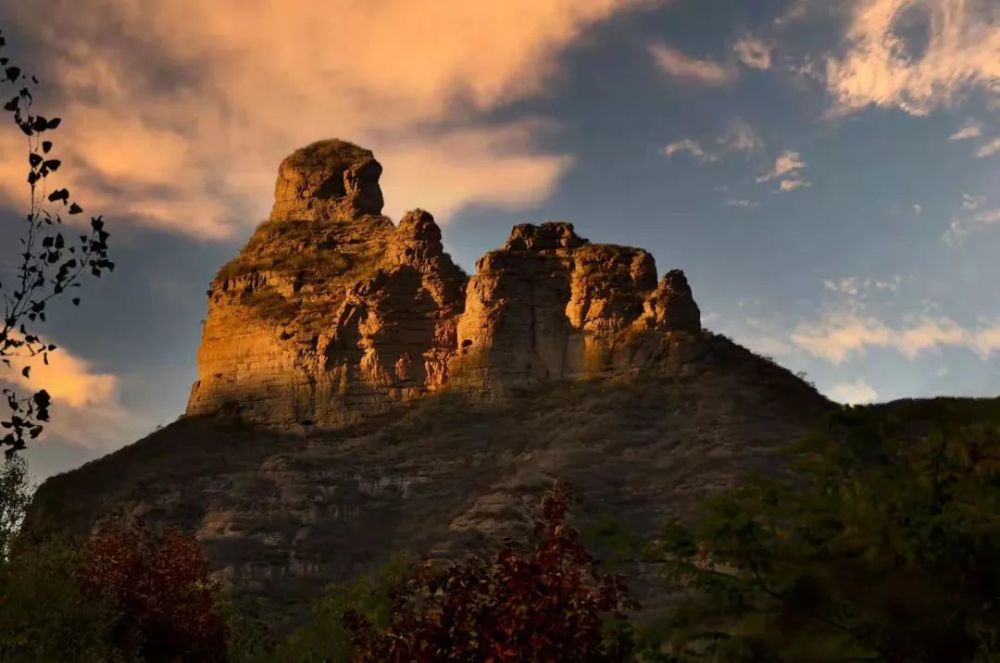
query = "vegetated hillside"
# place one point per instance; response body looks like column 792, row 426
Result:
column 284, row 514
column 360, row 396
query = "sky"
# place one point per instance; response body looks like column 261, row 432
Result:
column 826, row 172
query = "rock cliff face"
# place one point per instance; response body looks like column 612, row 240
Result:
column 331, row 310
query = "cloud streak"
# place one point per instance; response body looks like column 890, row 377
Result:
column 677, row 64
column 840, row 335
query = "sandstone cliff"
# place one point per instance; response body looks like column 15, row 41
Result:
column 331, row 310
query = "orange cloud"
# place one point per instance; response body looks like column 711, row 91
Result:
column 179, row 111
column 87, row 408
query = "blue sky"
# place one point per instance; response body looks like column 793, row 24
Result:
column 827, row 173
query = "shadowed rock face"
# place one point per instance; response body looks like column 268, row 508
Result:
column 330, row 310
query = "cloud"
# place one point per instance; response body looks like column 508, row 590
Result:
column 973, row 217
column 788, row 162
column 792, row 185
column 839, row 335
column 918, row 209
column 788, row 168
column 857, row 392
column 739, row 137
column 753, row 52
column 179, row 113
column 856, row 286
column 677, row 64
column 693, row 147
column 971, row 129
column 887, row 64
column 739, row 202
column 970, row 202
column 87, row 408
column 961, row 226
column 989, row 149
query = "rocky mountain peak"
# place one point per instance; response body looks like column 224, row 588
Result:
column 331, row 311
column 330, row 179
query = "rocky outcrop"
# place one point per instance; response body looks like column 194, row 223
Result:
column 330, row 310
column 551, row 305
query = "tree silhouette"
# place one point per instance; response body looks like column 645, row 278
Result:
column 51, row 261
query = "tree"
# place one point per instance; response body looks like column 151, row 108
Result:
column 15, row 495
column 548, row 604
column 166, row 603
column 51, row 261
column 885, row 547
column 44, row 614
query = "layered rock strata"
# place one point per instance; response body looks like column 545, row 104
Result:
column 331, row 310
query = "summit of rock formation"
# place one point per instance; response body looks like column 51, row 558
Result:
column 331, row 309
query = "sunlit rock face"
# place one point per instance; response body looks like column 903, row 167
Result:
column 331, row 311
column 551, row 305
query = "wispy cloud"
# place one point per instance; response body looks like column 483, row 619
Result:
column 677, row 64
column 752, row 52
column 175, row 130
column 858, row 287
column 989, row 149
column 740, row 202
column 839, row 335
column 788, row 169
column 971, row 129
column 880, row 69
column 791, row 185
column 974, row 216
column 740, row 137
column 692, row 147
column 788, row 162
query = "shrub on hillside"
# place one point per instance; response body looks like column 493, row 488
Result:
column 551, row 603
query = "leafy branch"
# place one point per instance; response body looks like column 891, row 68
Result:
column 51, row 260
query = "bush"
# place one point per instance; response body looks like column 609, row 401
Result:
column 547, row 604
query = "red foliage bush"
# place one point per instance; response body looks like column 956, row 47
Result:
column 160, row 588
column 549, row 604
